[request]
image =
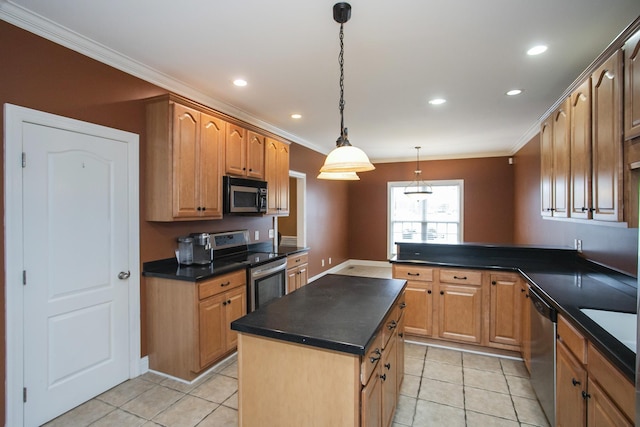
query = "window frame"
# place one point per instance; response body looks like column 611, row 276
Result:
column 433, row 183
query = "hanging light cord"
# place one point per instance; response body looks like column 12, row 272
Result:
column 342, row 139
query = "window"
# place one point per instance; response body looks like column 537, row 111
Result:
column 437, row 219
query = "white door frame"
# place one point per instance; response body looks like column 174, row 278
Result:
column 14, row 116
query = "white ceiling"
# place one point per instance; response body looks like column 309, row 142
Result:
column 398, row 55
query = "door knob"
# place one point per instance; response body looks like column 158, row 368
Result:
column 123, row 275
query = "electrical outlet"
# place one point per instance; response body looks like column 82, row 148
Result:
column 256, row 235
column 329, row 260
column 578, row 245
column 271, row 233
column 323, row 263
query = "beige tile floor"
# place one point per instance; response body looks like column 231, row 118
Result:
column 441, row 387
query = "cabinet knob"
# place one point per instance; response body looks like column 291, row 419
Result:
column 228, row 301
column 387, row 365
column 204, row 208
column 441, row 292
column 198, row 208
column 575, row 382
column 403, row 305
column 401, row 335
column 494, row 282
column 429, row 291
column 224, row 303
column 585, row 395
column 522, row 290
column 392, row 325
column 383, row 377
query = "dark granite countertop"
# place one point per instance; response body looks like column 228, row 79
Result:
column 335, row 312
column 565, row 279
column 170, row 269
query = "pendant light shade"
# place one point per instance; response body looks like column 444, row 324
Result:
column 339, row 176
column 418, row 189
column 345, row 157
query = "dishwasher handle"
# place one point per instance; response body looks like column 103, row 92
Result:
column 542, row 307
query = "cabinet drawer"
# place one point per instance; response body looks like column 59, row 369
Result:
column 222, row 284
column 616, row 385
column 412, row 272
column 298, row 259
column 370, row 359
column 462, row 277
column 572, row 339
column 390, row 324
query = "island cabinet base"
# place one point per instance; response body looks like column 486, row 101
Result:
column 286, row 384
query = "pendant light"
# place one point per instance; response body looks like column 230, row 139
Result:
column 345, row 157
column 339, row 176
column 418, row 189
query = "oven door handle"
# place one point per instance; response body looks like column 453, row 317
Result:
column 268, row 271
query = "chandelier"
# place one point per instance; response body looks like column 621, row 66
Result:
column 418, row 189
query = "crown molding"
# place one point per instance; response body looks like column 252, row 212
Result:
column 52, row 31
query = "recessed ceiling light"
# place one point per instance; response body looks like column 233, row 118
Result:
column 296, row 116
column 240, row 82
column 437, row 101
column 537, row 50
column 514, row 92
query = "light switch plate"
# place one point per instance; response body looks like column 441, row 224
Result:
column 271, row 233
column 256, row 235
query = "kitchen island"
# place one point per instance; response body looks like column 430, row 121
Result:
column 330, row 353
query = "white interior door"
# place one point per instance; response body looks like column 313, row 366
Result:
column 76, row 243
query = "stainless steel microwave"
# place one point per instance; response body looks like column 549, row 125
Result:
column 244, row 196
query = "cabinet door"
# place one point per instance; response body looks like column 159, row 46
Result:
column 632, row 87
column 606, row 93
column 581, row 151
column 371, row 402
column 212, row 137
column 504, row 320
column 526, row 324
column 303, row 275
column 292, row 276
column 283, row 179
column 236, row 151
column 602, row 412
column 255, row 155
column 459, row 313
column 271, row 175
column 388, row 376
column 571, row 381
column 212, row 329
column 419, row 311
column 235, row 308
column 546, row 167
column 561, row 160
column 186, row 136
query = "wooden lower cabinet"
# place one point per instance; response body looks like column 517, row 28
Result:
column 371, row 401
column 419, row 317
column 590, row 391
column 505, row 316
column 297, row 271
column 571, row 382
column 388, row 375
column 189, row 322
column 460, row 313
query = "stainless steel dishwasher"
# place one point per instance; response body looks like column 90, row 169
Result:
column 544, row 320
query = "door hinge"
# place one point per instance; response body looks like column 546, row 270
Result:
column 24, row 395
column 24, row 159
column 24, row 277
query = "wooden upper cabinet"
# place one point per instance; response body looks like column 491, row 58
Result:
column 580, row 108
column 632, row 87
column 277, row 177
column 561, row 160
column 236, row 150
column 255, row 155
column 546, row 167
column 606, row 92
column 183, row 162
column 555, row 154
column 244, row 153
column 212, row 137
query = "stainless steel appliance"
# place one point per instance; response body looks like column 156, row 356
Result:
column 266, row 270
column 543, row 353
column 244, row 196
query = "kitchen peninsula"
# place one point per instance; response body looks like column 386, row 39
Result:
column 330, row 353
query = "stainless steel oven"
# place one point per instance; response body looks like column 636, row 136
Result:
column 267, row 282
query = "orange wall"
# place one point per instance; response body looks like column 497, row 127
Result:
column 488, row 201
column 612, row 246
